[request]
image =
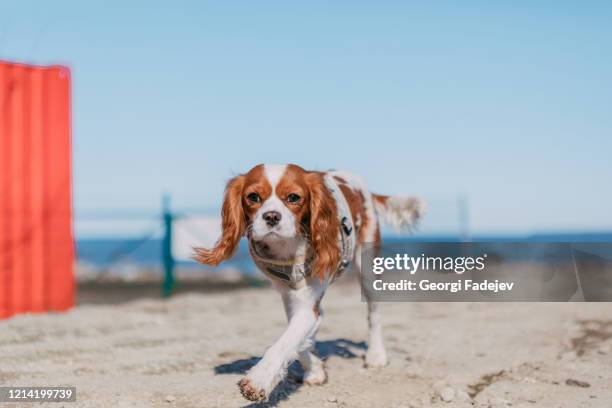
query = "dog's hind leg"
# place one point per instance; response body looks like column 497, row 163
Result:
column 314, row 368
column 376, row 356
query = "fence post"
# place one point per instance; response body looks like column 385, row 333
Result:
column 167, row 258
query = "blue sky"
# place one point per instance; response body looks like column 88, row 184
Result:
column 508, row 103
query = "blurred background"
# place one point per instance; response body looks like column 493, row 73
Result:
column 497, row 114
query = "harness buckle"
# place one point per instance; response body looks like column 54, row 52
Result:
column 346, row 226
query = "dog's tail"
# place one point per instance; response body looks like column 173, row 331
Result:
column 400, row 212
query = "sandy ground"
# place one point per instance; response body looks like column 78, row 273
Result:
column 191, row 350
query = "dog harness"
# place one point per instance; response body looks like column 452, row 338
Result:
column 293, row 272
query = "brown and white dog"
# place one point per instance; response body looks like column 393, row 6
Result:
column 302, row 226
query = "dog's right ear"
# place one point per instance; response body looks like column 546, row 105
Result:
column 233, row 224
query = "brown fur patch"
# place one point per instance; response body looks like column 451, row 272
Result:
column 340, row 180
column 233, row 224
column 380, row 199
column 317, row 308
column 324, row 226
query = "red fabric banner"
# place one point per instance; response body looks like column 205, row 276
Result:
column 36, row 241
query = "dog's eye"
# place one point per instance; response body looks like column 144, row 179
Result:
column 254, row 198
column 293, row 198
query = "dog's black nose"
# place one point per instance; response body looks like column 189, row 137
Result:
column 272, row 218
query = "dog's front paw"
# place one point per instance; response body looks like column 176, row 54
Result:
column 250, row 391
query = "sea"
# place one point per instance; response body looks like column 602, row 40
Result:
column 108, row 253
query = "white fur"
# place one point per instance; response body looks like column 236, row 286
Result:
column 401, row 212
column 286, row 227
column 274, row 173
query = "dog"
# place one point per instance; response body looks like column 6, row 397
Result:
column 303, row 229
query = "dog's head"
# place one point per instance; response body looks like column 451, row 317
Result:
column 278, row 207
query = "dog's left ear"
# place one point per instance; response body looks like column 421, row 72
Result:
column 233, row 224
column 324, row 226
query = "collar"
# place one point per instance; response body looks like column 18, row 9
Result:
column 291, row 272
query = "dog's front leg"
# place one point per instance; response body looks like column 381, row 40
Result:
column 303, row 322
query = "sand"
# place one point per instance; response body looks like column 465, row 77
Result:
column 191, row 350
